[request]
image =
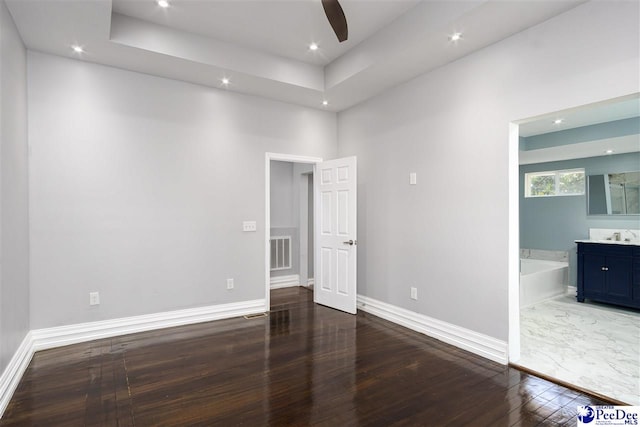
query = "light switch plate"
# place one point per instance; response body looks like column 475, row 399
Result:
column 94, row 298
column 412, row 178
column 249, row 226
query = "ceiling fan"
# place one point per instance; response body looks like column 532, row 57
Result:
column 336, row 18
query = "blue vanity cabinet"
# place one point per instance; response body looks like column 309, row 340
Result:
column 609, row 273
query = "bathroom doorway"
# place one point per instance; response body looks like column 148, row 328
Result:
column 545, row 333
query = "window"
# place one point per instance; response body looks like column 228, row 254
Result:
column 554, row 183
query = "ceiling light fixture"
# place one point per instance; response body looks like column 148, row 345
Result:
column 313, row 46
column 609, row 152
column 77, row 49
column 163, row 3
column 455, row 37
column 225, row 81
column 558, row 121
column 325, row 102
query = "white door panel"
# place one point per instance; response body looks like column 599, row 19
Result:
column 335, row 184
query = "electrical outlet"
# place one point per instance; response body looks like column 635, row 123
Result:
column 230, row 284
column 413, row 178
column 94, row 298
column 414, row 293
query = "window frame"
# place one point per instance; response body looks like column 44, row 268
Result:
column 556, row 189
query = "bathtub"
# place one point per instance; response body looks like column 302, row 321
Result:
column 541, row 279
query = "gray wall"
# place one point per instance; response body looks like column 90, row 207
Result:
column 285, row 207
column 284, row 217
column 449, row 235
column 283, row 213
column 140, row 184
column 553, row 223
column 310, row 241
column 14, row 208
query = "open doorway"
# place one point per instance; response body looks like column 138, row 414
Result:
column 587, row 344
column 335, row 228
column 291, row 212
column 289, row 223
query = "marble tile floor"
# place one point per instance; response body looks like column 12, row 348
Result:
column 592, row 346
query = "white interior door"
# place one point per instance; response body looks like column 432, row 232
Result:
column 335, row 248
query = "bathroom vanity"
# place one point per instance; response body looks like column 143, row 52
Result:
column 609, row 272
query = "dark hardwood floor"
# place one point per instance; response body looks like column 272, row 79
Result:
column 302, row 365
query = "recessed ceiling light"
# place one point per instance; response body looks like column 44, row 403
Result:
column 313, row 46
column 325, row 102
column 77, row 49
column 163, row 3
column 225, row 81
column 609, row 152
column 455, row 37
column 558, row 121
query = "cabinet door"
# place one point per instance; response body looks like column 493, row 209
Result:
column 636, row 282
column 594, row 275
column 618, row 275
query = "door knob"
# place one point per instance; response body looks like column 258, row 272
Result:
column 351, row 242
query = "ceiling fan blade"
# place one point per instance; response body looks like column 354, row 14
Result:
column 336, row 18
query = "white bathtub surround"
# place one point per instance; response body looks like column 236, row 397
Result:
column 609, row 234
column 544, row 254
column 592, row 346
column 541, row 280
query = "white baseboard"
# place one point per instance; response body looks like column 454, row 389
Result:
column 13, row 372
column 72, row 334
column 310, row 283
column 480, row 344
column 285, row 281
column 572, row 290
column 42, row 339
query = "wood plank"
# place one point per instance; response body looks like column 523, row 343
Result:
column 304, row 364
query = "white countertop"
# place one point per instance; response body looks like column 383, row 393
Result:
column 608, row 242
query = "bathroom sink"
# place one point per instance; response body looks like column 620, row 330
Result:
column 609, row 242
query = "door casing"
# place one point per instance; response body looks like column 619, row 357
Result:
column 267, row 212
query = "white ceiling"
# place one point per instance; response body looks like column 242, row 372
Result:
column 262, row 45
column 602, row 112
column 283, row 27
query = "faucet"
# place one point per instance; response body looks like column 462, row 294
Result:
column 616, row 236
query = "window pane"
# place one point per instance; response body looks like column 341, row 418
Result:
column 571, row 182
column 542, row 185
column 618, row 202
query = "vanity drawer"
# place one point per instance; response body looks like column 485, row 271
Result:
column 606, row 249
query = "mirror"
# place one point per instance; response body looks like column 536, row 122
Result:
column 614, row 194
